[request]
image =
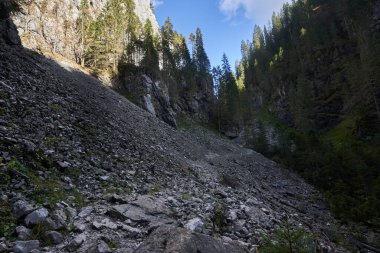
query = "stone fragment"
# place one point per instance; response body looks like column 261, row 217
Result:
column 3, row 247
column 23, row 233
column 25, row 246
column 76, row 242
column 86, row 211
column 132, row 232
column 195, row 225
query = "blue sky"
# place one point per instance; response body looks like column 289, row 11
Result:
column 224, row 23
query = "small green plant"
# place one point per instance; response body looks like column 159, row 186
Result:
column 113, row 245
column 7, row 222
column 56, row 107
column 289, row 238
column 2, row 111
column 219, row 219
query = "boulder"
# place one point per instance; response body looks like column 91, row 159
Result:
column 21, row 208
column 38, row 216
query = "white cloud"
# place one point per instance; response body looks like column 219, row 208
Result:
column 258, row 10
column 157, row 3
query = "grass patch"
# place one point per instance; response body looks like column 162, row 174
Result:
column 7, row 222
column 46, row 191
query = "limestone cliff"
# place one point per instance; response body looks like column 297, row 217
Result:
column 51, row 25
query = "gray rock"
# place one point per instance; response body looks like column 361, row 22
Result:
column 195, row 225
column 21, row 208
column 86, row 211
column 60, row 219
column 76, row 242
column 23, row 233
column 152, row 205
column 105, row 223
column 232, row 215
column 104, row 178
column 126, row 211
column 3, row 247
column 79, row 227
column 54, row 237
column 132, row 232
column 171, row 239
column 25, row 246
column 38, row 216
column 100, row 247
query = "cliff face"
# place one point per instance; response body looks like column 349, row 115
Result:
column 52, row 25
column 8, row 31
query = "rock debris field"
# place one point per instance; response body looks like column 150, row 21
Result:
column 88, row 171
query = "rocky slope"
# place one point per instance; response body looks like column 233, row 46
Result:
column 85, row 170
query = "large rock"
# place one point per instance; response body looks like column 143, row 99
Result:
column 169, row 239
column 21, row 208
column 38, row 216
column 152, row 205
column 23, row 233
column 76, row 243
column 25, row 246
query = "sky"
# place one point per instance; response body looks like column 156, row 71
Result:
column 224, row 23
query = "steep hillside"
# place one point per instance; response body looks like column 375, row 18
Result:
column 309, row 98
column 84, row 170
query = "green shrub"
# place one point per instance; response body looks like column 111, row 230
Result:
column 288, row 238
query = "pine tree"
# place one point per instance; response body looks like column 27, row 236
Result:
column 83, row 23
column 167, row 36
column 200, row 58
column 150, row 61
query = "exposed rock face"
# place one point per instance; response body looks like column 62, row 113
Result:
column 153, row 96
column 144, row 12
column 51, row 25
column 8, row 31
